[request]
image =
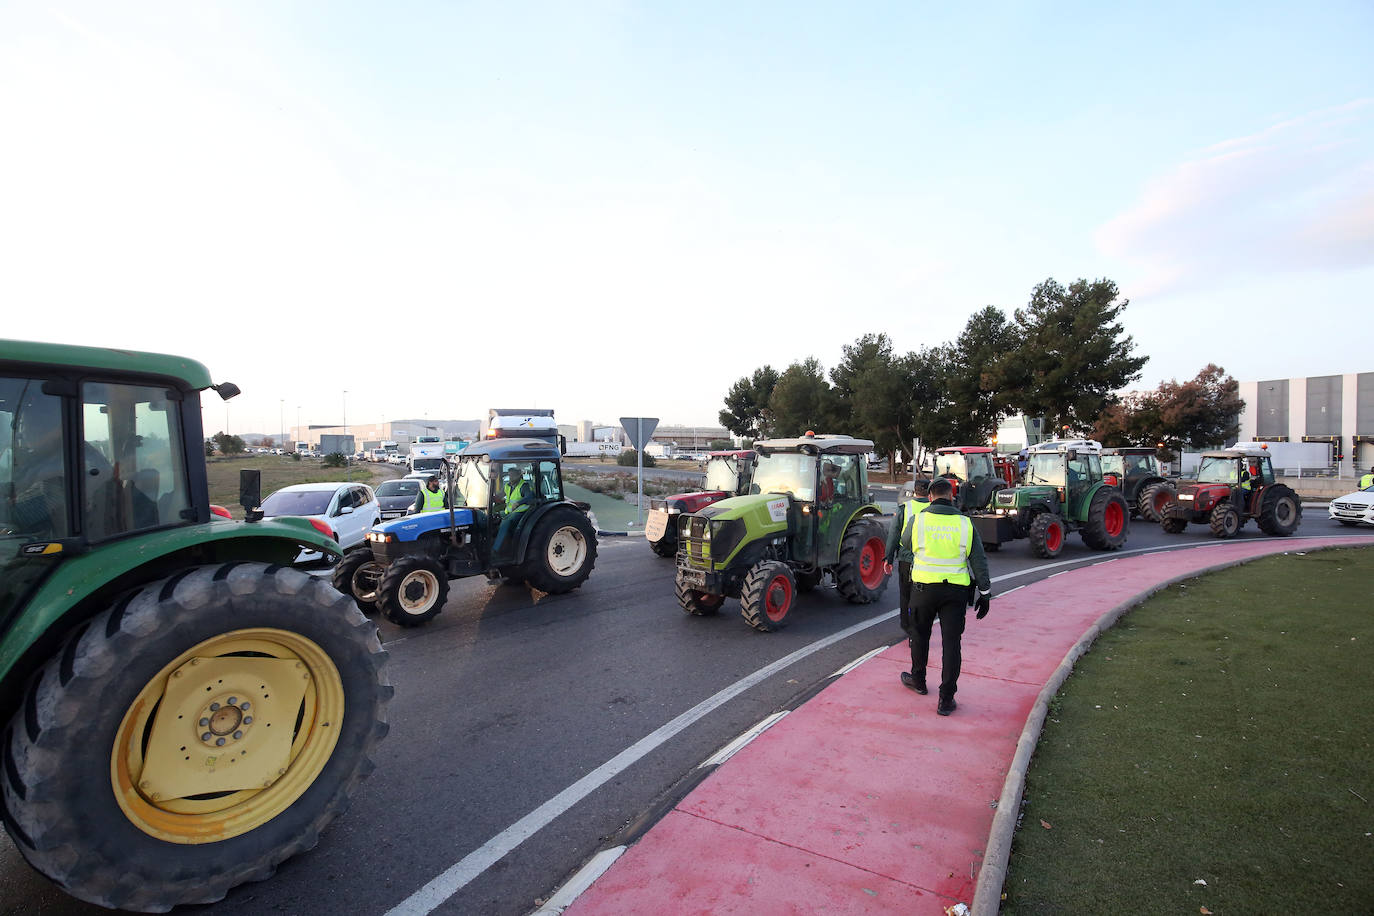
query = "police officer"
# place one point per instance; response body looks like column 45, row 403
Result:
column 430, row 497
column 1367, row 480
column 947, row 563
column 899, row 549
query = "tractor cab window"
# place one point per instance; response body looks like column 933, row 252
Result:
column 839, row 478
column 33, row 476
column 979, row 467
column 133, row 475
column 1215, row 469
column 549, row 486
column 1266, row 474
column 951, row 464
column 1078, row 471
column 722, row 473
column 1045, row 469
column 786, row 472
column 473, row 483
column 1137, row 465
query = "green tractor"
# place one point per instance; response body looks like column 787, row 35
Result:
column 185, row 709
column 1062, row 491
column 807, row 520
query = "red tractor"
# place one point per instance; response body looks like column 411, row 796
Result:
column 727, row 474
column 1234, row 485
column 976, row 471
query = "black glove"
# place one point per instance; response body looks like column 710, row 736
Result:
column 981, row 604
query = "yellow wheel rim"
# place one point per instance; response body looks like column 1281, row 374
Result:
column 227, row 736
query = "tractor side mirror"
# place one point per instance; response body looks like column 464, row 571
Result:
column 250, row 494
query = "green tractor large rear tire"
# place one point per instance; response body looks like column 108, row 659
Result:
column 859, row 576
column 193, row 736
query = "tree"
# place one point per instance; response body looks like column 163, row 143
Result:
column 1204, row 411
column 720, row 445
column 746, row 410
column 209, row 448
column 802, row 399
column 1071, row 354
column 1134, row 420
column 228, row 444
column 971, row 381
column 268, row 442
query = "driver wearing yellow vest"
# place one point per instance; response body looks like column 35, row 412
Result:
column 947, row 564
column 515, row 498
column 1367, row 480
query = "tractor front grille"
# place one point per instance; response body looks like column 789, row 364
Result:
column 696, row 542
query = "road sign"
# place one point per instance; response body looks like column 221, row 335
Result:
column 639, row 429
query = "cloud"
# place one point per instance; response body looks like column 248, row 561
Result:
column 1297, row 195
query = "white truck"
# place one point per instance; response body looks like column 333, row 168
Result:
column 427, row 455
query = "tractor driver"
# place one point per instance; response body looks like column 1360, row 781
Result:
column 1249, row 471
column 516, row 496
column 831, row 473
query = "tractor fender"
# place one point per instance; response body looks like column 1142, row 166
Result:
column 538, row 512
column 81, row 585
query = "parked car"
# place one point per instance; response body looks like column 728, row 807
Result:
column 1354, row 508
column 397, row 496
column 349, row 509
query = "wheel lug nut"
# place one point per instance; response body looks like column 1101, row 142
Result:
column 238, row 735
column 204, row 723
column 214, row 706
column 206, row 737
column 219, row 742
column 246, row 706
column 247, row 720
column 233, row 700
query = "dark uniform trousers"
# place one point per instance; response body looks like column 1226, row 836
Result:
column 904, row 598
column 950, row 604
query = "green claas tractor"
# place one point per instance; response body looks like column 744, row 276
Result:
column 1062, row 491
column 806, row 521
column 185, row 709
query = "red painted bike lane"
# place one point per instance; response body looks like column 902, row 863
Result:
column 864, row 800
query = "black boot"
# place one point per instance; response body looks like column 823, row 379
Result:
column 917, row 684
column 946, row 705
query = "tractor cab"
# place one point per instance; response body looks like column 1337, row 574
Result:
column 974, row 472
column 728, row 473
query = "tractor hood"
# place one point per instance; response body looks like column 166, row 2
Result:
column 410, row 527
column 717, row 534
column 1021, row 497
column 1202, row 497
column 770, row 509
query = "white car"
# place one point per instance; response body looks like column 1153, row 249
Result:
column 349, row 509
column 1354, row 508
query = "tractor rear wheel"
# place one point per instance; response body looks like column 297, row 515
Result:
column 412, row 591
column 768, row 595
column 860, row 577
column 696, row 602
column 1224, row 521
column 138, row 774
column 1280, row 512
column 1047, row 535
column 358, row 576
column 1153, row 499
column 1105, row 527
column 664, row 547
column 561, row 552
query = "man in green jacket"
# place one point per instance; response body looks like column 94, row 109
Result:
column 948, row 567
column 899, row 549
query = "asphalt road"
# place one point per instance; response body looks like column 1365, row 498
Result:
column 505, row 702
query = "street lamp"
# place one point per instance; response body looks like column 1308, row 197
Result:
column 281, row 423
column 298, row 425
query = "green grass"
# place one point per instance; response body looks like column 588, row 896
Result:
column 612, row 513
column 1220, row 732
column 280, row 471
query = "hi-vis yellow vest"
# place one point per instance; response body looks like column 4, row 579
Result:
column 1367, row 481
column 909, row 513
column 941, row 545
column 513, row 494
column 433, row 499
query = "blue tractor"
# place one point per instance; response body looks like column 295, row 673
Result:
column 506, row 518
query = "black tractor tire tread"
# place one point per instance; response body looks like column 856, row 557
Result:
column 1173, row 525
column 55, row 782
column 342, row 577
column 1039, row 528
column 848, row 577
column 753, row 594
column 695, row 602
column 1217, row 520
column 1268, row 517
column 1094, row 532
column 663, row 548
column 1145, row 500
column 536, row 568
column 388, row 590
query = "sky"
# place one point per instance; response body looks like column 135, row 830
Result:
column 364, row 211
